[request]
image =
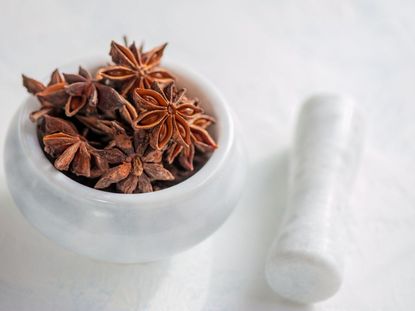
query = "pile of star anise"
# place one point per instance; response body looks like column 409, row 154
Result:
column 128, row 128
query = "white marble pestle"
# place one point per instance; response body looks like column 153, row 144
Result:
column 305, row 260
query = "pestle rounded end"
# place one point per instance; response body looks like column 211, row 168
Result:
column 302, row 277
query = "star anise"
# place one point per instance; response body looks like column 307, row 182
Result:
column 134, row 68
column 148, row 137
column 86, row 92
column 72, row 151
column 136, row 172
column 114, row 132
column 165, row 113
column 200, row 138
column 51, row 97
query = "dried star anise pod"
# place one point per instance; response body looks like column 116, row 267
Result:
column 134, row 68
column 72, row 151
column 115, row 134
column 165, row 113
column 200, row 138
column 136, row 172
column 199, row 135
column 51, row 97
column 86, row 92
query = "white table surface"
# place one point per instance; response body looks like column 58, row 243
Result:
column 266, row 57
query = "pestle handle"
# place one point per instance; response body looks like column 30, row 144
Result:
column 305, row 261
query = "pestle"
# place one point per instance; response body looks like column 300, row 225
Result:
column 305, row 262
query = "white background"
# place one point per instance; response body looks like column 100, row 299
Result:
column 266, row 57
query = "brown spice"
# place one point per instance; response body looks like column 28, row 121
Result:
column 128, row 130
column 133, row 68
